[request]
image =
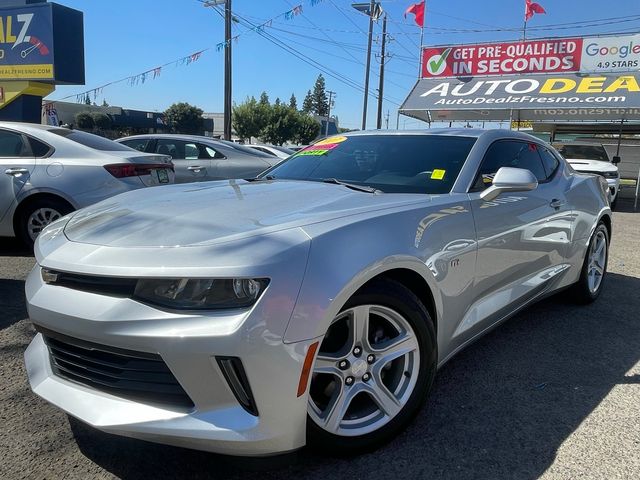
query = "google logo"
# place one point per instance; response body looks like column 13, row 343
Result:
column 623, row 51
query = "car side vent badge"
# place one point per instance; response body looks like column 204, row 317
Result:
column 236, row 377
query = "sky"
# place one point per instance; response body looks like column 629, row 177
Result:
column 128, row 37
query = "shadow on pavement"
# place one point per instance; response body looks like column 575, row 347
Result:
column 500, row 409
column 12, row 302
column 12, row 247
column 625, row 205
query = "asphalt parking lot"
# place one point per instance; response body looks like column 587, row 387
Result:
column 553, row 393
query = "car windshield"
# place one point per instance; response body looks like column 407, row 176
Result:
column 390, row 163
column 286, row 150
column 583, row 152
column 243, row 149
column 90, row 140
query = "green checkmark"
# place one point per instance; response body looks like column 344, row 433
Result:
column 436, row 64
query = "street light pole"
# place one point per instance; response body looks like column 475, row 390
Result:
column 368, row 67
column 227, row 70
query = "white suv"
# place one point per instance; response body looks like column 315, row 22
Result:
column 593, row 158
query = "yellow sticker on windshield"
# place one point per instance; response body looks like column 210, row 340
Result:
column 331, row 140
column 438, row 174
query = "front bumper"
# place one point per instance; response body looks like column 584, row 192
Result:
column 189, row 345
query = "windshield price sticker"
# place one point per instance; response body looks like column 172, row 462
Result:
column 438, row 174
column 331, row 140
column 313, row 152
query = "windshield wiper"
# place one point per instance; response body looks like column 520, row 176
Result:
column 359, row 188
column 257, row 179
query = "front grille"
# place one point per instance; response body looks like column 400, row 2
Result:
column 138, row 376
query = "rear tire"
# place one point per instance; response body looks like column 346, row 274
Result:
column 35, row 215
column 385, row 384
column 587, row 289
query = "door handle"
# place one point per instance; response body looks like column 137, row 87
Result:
column 16, row 172
column 195, row 168
column 555, row 203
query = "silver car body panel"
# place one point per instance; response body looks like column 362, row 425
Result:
column 235, row 163
column 318, row 243
column 72, row 172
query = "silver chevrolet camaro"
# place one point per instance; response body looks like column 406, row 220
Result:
column 312, row 304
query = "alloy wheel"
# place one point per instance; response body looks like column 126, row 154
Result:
column 597, row 261
column 365, row 371
column 39, row 219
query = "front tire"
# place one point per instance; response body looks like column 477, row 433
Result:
column 35, row 215
column 594, row 268
column 373, row 371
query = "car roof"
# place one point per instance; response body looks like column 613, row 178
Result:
column 581, row 144
column 26, row 127
column 452, row 132
column 179, row 136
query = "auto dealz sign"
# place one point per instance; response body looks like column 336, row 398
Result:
column 26, row 44
column 586, row 54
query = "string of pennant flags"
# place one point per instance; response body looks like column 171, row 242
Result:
column 154, row 73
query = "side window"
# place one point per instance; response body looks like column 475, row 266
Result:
column 210, row 152
column 11, row 144
column 38, row 148
column 139, row 144
column 549, row 161
column 191, row 151
column 509, row 153
column 175, row 148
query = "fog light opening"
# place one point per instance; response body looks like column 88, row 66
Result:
column 236, row 377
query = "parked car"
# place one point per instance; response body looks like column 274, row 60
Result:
column 273, row 150
column 593, row 158
column 313, row 304
column 198, row 158
column 47, row 172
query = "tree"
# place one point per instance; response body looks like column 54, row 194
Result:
column 264, row 98
column 307, row 104
column 87, row 100
column 104, row 103
column 282, row 125
column 319, row 98
column 293, row 102
column 101, row 120
column 277, row 102
column 184, row 118
column 84, row 120
column 249, row 118
column 308, row 129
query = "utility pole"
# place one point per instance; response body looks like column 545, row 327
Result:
column 227, row 70
column 382, row 62
column 331, row 94
column 372, row 6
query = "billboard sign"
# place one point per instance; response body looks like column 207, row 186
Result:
column 551, row 92
column 26, row 44
column 559, row 55
column 42, row 42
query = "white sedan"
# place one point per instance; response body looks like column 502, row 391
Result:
column 273, row 150
column 47, row 172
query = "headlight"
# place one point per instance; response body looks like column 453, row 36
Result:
column 610, row 174
column 201, row 293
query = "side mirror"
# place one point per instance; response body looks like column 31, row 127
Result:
column 616, row 160
column 509, row 179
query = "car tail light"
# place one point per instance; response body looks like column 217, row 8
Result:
column 122, row 170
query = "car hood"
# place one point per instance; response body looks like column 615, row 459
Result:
column 592, row 165
column 214, row 212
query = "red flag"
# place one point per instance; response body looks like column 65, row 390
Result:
column 418, row 10
column 530, row 8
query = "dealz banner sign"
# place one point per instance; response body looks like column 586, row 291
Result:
column 618, row 53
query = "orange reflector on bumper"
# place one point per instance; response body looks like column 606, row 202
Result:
column 306, row 368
